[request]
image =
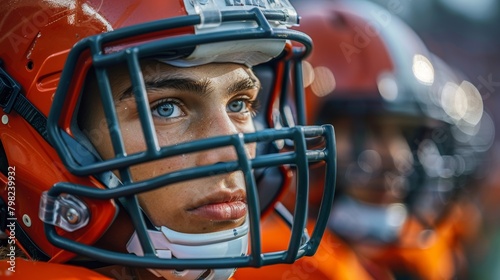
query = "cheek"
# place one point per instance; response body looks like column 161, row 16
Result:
column 132, row 135
column 251, row 147
column 163, row 205
column 99, row 136
column 160, row 167
column 251, row 150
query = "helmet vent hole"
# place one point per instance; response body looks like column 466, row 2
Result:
column 29, row 65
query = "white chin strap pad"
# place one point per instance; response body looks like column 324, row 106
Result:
column 172, row 244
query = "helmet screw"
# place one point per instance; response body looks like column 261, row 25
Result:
column 5, row 119
column 72, row 216
column 27, row 220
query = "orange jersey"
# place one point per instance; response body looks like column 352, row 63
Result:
column 23, row 269
column 333, row 259
column 438, row 256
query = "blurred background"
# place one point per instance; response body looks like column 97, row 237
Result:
column 412, row 88
column 466, row 35
column 398, row 182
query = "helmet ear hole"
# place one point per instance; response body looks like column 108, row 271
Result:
column 30, row 65
column 4, row 164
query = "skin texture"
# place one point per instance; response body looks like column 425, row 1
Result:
column 186, row 104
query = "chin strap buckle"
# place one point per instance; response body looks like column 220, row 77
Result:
column 65, row 211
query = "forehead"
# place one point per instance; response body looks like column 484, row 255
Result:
column 152, row 69
column 221, row 75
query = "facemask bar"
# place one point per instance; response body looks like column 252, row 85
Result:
column 296, row 248
column 95, row 45
column 122, row 162
column 295, row 63
column 299, row 84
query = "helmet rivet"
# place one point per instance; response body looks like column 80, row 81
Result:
column 5, row 119
column 72, row 216
column 27, row 220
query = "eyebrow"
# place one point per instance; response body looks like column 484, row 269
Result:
column 242, row 85
column 201, row 87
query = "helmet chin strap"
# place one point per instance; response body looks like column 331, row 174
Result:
column 172, row 244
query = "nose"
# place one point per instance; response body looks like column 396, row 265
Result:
column 218, row 123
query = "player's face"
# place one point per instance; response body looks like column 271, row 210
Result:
column 188, row 104
column 374, row 164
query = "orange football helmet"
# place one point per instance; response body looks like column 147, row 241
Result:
column 60, row 197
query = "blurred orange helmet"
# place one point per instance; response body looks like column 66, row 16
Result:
column 366, row 63
column 47, row 49
column 363, row 53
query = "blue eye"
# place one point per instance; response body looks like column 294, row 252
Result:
column 237, row 106
column 167, row 109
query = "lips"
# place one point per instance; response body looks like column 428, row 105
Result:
column 222, row 211
column 221, row 206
